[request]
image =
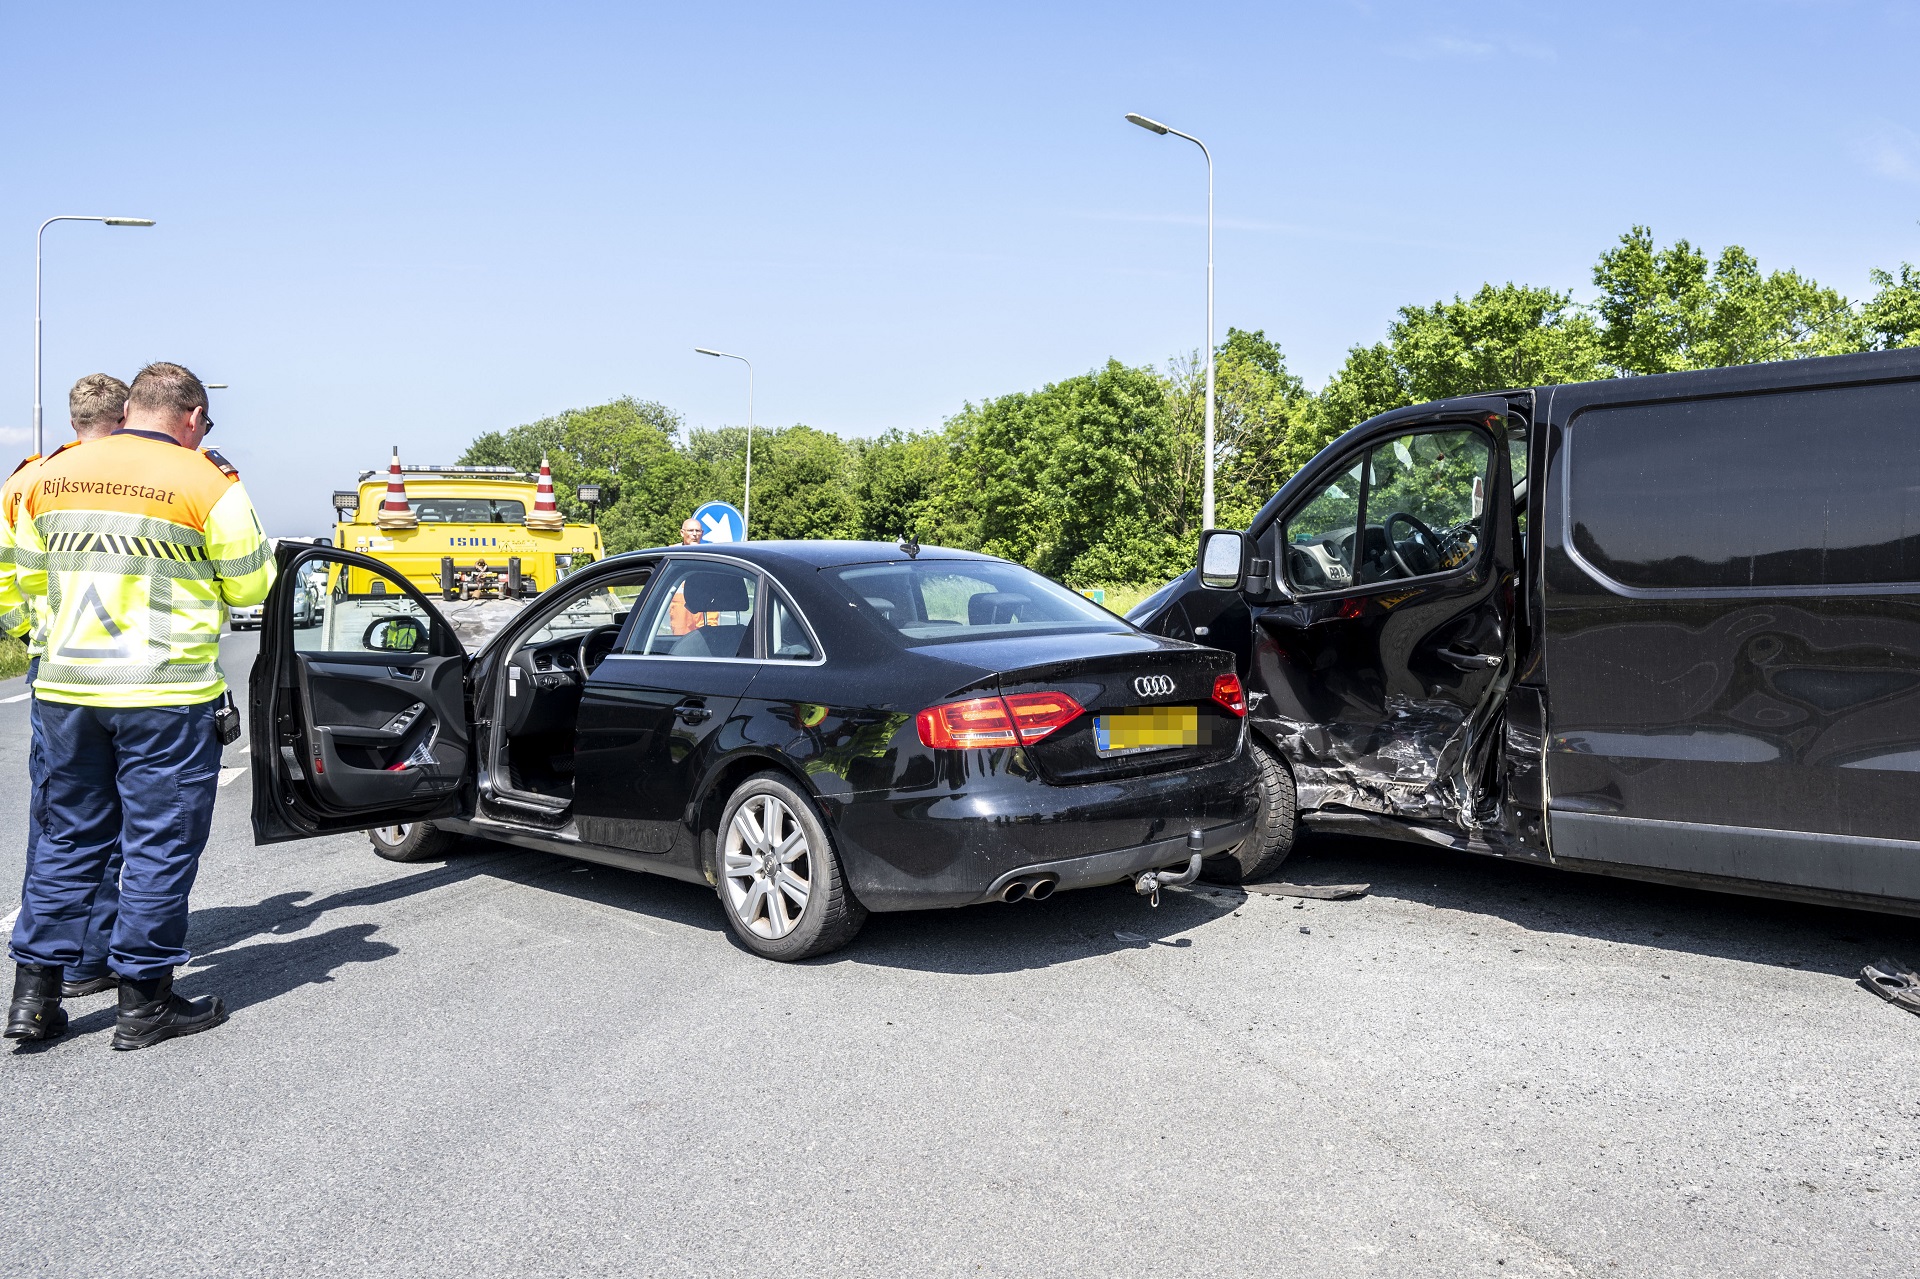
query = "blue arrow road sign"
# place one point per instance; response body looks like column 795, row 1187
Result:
column 721, row 522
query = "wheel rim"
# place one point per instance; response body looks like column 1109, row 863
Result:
column 393, row 834
column 768, row 865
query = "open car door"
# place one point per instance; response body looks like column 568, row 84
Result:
column 1392, row 644
column 361, row 720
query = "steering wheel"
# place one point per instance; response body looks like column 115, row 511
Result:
column 594, row 647
column 1421, row 531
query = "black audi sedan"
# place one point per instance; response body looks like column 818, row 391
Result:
column 815, row 729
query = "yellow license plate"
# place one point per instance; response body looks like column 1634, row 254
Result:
column 1151, row 728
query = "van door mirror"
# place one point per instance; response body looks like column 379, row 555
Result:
column 1223, row 559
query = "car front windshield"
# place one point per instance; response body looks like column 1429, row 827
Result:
column 932, row 601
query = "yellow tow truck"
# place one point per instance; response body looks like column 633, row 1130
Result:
column 484, row 538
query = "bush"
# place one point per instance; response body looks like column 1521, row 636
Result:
column 13, row 657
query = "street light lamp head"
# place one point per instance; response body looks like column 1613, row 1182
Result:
column 128, row 221
column 701, row 350
column 215, row 386
column 1152, row 126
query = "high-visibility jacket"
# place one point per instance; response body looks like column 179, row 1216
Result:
column 21, row 616
column 139, row 546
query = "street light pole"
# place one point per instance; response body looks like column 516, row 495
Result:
column 1154, row 126
column 746, row 501
column 38, row 236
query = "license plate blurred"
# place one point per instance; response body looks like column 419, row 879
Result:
column 1151, row 728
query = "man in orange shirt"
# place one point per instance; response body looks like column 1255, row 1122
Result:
column 678, row 618
column 94, row 407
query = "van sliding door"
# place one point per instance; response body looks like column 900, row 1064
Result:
column 1732, row 596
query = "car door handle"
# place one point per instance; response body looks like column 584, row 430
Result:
column 692, row 712
column 404, row 672
column 1470, row 661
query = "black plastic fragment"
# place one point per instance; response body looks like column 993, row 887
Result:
column 1894, row 982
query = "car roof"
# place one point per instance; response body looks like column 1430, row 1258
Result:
column 812, row 554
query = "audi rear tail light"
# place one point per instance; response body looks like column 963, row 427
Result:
column 1037, row 714
column 981, row 722
column 1227, row 692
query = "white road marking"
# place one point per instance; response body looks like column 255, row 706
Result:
column 228, row 774
column 17, row 697
column 6, row 925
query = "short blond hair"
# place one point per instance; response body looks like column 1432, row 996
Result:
column 96, row 400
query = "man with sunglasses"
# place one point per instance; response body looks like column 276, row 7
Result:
column 140, row 543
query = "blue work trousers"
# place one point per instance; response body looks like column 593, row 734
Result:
column 139, row 780
column 106, row 901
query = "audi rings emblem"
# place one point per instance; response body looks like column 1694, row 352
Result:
column 1154, row 686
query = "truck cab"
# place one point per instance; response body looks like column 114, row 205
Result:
column 457, row 518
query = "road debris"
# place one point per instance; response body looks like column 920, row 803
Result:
column 1894, row 982
column 1319, row 892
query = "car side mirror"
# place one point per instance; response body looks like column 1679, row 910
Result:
column 395, row 634
column 1223, row 559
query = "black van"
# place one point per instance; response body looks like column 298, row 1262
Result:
column 1663, row 627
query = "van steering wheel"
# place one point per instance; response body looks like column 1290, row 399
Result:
column 1421, row 531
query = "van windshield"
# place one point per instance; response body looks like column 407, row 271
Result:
column 931, row 601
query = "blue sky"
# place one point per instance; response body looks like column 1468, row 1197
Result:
column 412, row 223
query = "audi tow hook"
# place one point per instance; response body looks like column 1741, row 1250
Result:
column 1151, row 882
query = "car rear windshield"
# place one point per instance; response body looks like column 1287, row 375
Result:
column 929, row 601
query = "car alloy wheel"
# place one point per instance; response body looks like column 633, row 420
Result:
column 411, row 842
column 768, row 867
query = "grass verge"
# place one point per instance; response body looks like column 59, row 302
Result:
column 13, row 657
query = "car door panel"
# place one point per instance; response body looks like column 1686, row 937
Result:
column 653, row 716
column 346, row 736
column 1382, row 695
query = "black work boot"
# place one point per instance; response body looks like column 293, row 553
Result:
column 151, row 1012
column 36, row 1012
column 89, row 985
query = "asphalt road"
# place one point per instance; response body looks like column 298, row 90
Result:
column 508, row 1064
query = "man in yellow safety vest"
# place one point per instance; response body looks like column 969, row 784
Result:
column 139, row 543
column 94, row 407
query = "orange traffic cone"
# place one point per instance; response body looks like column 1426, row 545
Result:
column 544, row 513
column 394, row 511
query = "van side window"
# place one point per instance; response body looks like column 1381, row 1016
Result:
column 1791, row 489
column 1412, row 507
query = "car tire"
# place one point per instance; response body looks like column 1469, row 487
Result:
column 411, row 842
column 758, row 906
column 1261, row 853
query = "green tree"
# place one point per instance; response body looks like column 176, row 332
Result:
column 628, row 447
column 803, row 484
column 898, row 484
column 1891, row 318
column 1510, row 335
column 1665, row 310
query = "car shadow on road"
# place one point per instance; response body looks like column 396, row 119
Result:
column 1544, row 899
column 215, row 928
column 972, row 939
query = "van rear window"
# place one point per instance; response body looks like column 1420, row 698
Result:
column 1796, row 488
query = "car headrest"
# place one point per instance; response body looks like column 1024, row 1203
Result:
column 715, row 591
column 882, row 606
column 990, row 608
